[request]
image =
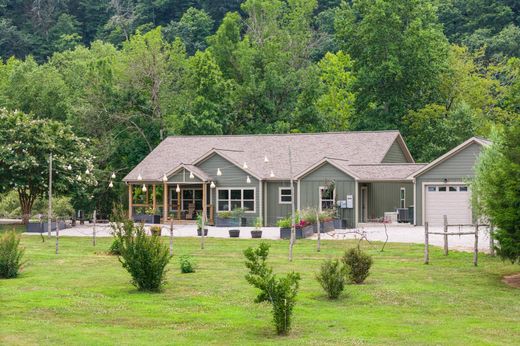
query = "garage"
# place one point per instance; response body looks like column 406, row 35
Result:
column 451, row 200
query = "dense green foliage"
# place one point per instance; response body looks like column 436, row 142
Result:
column 279, row 292
column 144, row 257
column 332, row 277
column 357, row 264
column 127, row 73
column 497, row 187
column 187, row 264
column 10, row 255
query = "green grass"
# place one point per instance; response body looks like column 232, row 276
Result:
column 82, row 296
column 17, row 227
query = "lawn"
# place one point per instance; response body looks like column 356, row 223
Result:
column 83, row 296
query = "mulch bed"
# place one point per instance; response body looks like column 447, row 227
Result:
column 512, row 280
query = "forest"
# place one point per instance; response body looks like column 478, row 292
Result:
column 126, row 73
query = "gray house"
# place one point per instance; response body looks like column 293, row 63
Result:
column 361, row 175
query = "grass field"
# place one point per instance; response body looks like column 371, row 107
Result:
column 83, row 296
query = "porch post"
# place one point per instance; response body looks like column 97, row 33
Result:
column 130, row 200
column 154, row 201
column 165, row 202
column 179, row 205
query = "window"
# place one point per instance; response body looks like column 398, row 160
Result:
column 452, row 189
column 442, row 188
column 191, row 196
column 432, row 188
column 285, row 195
column 229, row 199
column 327, row 198
column 402, row 198
column 463, row 189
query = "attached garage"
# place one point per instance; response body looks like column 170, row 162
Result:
column 451, row 200
column 441, row 188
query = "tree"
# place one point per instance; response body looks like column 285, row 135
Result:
column 193, row 28
column 496, row 190
column 25, row 146
column 399, row 51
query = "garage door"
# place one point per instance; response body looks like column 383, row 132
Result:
column 450, row 200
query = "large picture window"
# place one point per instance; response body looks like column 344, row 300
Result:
column 229, row 199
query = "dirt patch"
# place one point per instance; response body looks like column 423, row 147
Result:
column 512, row 280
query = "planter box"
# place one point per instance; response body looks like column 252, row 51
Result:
column 226, row 222
column 199, row 232
column 234, row 233
column 256, row 233
column 35, row 227
column 325, row 227
column 307, row 231
column 145, row 218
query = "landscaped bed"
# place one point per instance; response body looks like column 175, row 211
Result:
column 83, row 296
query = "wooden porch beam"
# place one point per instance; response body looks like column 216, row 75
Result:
column 165, row 202
column 130, row 200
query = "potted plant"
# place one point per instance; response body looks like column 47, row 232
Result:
column 310, row 219
column 326, row 221
column 285, row 227
column 234, row 233
column 238, row 214
column 257, row 232
column 199, row 226
column 155, row 231
column 150, row 216
column 226, row 219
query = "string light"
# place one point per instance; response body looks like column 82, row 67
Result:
column 139, row 177
column 111, row 185
column 79, row 177
column 212, row 185
column 266, row 159
column 272, row 174
column 69, row 167
column 178, row 189
column 113, row 176
column 248, row 180
column 87, row 171
column 219, row 172
column 164, row 178
column 245, row 165
column 144, row 188
column 191, row 175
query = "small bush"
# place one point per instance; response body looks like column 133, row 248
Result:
column 284, row 223
column 115, row 247
column 10, row 255
column 357, row 264
column 280, row 292
column 187, row 264
column 332, row 278
column 144, row 257
column 155, row 231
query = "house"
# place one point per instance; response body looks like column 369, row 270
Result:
column 360, row 174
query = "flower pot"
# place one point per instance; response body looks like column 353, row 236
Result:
column 327, row 226
column 256, row 233
column 307, row 231
column 285, row 232
column 226, row 222
column 337, row 223
column 234, row 233
column 199, row 232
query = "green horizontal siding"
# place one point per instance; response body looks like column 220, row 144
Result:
column 395, row 154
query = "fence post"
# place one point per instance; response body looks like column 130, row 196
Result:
column 491, row 240
column 445, row 235
column 94, row 229
column 475, row 256
column 171, row 237
column 57, row 235
column 426, row 244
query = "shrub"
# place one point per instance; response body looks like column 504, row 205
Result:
column 144, row 257
column 357, row 264
column 10, row 255
column 187, row 264
column 284, row 223
column 155, row 231
column 115, row 247
column 280, row 292
column 309, row 216
column 332, row 277
column 225, row 215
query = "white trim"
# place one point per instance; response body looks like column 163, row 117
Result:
column 264, row 217
column 423, row 195
column 298, row 189
column 280, row 194
column 356, row 203
column 319, row 195
column 321, row 163
column 364, row 196
column 414, row 202
column 260, row 200
column 225, row 157
column 403, row 200
column 241, row 199
column 449, row 154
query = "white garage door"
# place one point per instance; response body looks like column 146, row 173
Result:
column 451, row 200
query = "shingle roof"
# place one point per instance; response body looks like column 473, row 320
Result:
column 385, row 171
column 306, row 150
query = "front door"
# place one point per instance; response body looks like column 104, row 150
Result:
column 364, row 204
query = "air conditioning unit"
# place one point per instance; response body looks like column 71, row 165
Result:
column 402, row 215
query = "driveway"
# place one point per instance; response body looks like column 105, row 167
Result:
column 374, row 232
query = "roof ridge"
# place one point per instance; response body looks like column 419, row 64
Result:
column 389, row 164
column 284, row 134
